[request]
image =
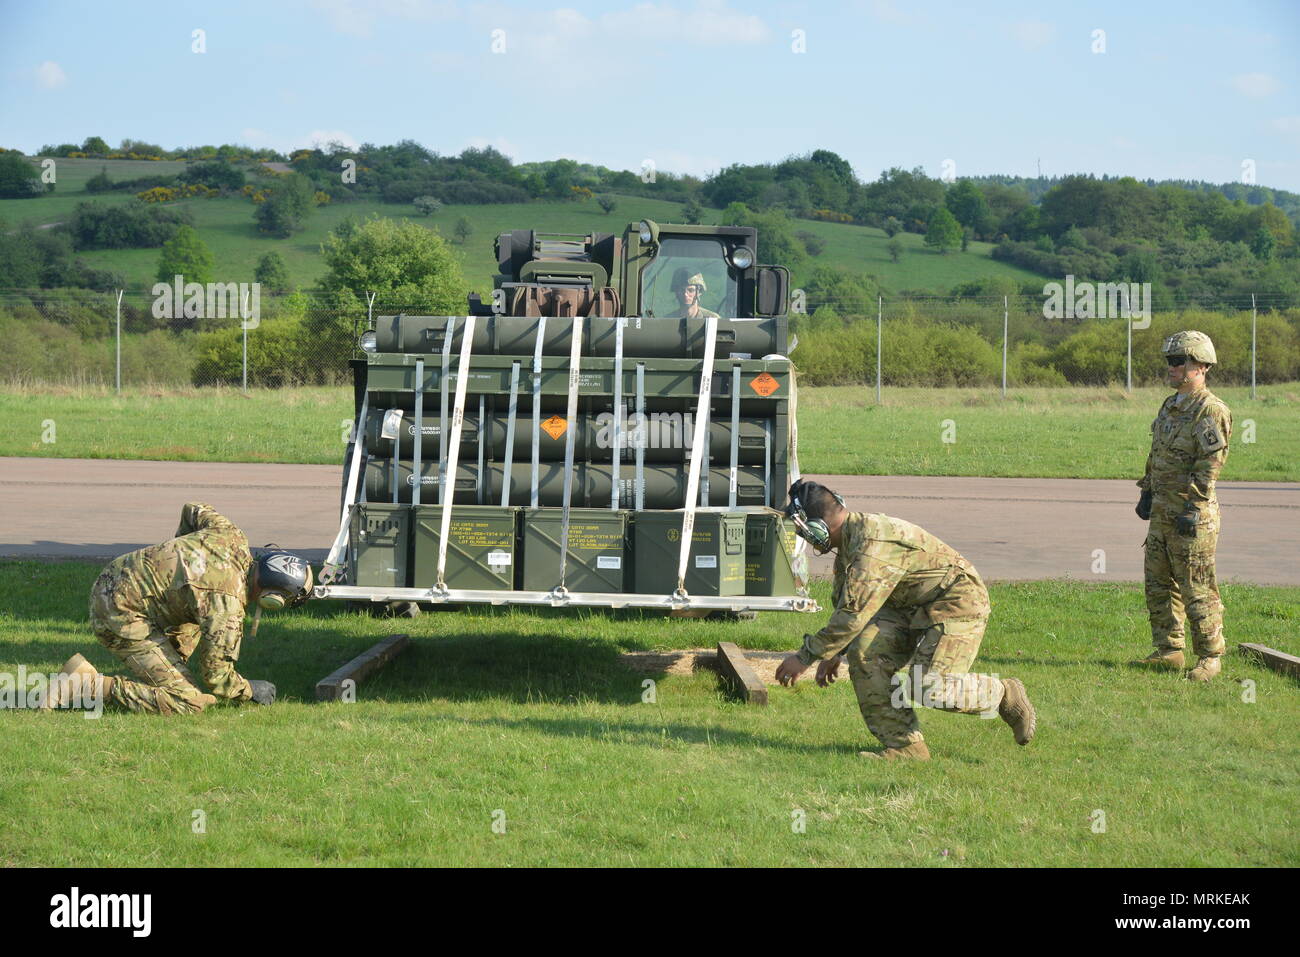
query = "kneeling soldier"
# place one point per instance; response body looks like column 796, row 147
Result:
column 900, row 595
column 152, row 608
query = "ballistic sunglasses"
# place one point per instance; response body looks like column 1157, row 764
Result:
column 1176, row 360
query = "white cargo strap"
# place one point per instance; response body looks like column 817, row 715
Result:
column 537, row 402
column 735, row 434
column 453, row 452
column 799, row 560
column 641, row 430
column 575, row 359
column 697, row 451
column 333, row 560
column 442, row 431
column 618, row 410
column 510, row 434
column 417, row 452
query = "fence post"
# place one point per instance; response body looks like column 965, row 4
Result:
column 1128, row 375
column 1006, row 311
column 119, row 340
column 243, row 324
column 1252, row 345
column 880, row 316
column 370, row 309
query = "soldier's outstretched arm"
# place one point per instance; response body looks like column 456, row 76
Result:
column 223, row 632
column 196, row 516
column 867, row 586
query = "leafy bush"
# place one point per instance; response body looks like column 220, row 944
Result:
column 133, row 225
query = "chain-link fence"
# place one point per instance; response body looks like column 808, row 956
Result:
column 1098, row 337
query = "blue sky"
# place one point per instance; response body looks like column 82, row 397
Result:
column 1182, row 90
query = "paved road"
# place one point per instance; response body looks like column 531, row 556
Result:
column 1012, row 529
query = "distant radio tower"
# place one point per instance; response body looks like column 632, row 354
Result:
column 1040, row 167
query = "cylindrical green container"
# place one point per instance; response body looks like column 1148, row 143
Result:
column 665, row 485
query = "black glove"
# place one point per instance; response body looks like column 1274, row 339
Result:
column 263, row 692
column 1186, row 524
column 1144, row 506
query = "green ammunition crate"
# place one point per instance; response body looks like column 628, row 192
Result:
column 769, row 549
column 379, row 539
column 480, row 547
column 715, row 566
column 597, row 553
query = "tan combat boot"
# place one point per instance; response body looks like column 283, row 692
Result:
column 1171, row 660
column 1207, row 666
column 916, row 751
column 1018, row 711
column 72, row 681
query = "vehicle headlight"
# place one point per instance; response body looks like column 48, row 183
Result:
column 742, row 257
column 649, row 232
column 369, row 342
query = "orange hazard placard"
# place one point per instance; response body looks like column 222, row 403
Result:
column 555, row 427
column 764, row 385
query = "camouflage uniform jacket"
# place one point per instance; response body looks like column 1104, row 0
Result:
column 1189, row 444
column 885, row 562
column 199, row 577
column 700, row 313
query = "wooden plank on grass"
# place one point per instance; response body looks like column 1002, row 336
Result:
column 332, row 687
column 735, row 670
column 1272, row 658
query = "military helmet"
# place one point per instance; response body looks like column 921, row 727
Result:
column 1195, row 345
column 282, row 579
column 681, row 280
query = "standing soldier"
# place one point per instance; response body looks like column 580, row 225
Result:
column 152, row 608
column 900, row 595
column 1189, row 444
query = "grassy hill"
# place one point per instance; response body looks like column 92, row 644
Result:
column 226, row 225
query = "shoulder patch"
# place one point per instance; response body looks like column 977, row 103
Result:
column 1209, row 436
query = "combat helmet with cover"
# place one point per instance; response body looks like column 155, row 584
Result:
column 1195, row 345
column 681, row 280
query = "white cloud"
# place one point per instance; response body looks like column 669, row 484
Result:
column 319, row 138
column 498, row 143
column 51, row 76
column 710, row 23
column 886, row 12
column 357, row 18
column 1033, row 34
column 1255, row 84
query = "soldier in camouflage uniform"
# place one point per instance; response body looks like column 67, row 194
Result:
column 154, row 607
column 1189, row 444
column 901, row 596
column 689, row 289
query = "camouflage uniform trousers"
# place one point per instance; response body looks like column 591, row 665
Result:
column 1181, row 584
column 941, row 657
column 156, row 657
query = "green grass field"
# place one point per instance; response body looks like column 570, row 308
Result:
column 226, row 226
column 531, row 714
column 1035, row 433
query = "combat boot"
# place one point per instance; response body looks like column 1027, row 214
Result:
column 1172, row 659
column 1018, row 711
column 916, row 751
column 1207, row 666
column 72, row 682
